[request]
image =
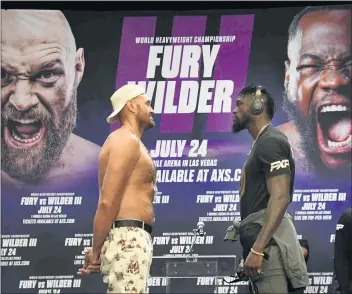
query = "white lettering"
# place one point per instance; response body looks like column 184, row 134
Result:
column 161, row 240
column 279, row 164
column 27, row 284
column 29, row 200
column 73, row 242
column 205, row 198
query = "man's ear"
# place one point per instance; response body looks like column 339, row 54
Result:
column 131, row 106
column 287, row 75
column 80, row 64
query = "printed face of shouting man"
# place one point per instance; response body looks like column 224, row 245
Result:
column 40, row 73
column 318, row 88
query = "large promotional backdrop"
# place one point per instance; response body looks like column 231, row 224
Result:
column 192, row 67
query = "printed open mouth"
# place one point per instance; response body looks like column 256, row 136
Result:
column 334, row 126
column 24, row 133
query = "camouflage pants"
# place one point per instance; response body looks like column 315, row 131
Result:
column 126, row 258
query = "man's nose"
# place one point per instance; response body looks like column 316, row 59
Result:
column 22, row 97
column 333, row 78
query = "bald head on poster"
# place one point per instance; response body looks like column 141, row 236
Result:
column 41, row 70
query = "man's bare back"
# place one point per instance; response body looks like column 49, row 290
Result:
column 137, row 198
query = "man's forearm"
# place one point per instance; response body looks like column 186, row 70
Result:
column 273, row 216
column 103, row 220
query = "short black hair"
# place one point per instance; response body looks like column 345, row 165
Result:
column 292, row 31
column 269, row 100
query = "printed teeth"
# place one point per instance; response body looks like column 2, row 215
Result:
column 333, row 108
column 30, row 140
column 343, row 144
column 25, row 121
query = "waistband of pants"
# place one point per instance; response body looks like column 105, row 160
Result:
column 132, row 223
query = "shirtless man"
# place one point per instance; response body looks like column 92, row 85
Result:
column 122, row 225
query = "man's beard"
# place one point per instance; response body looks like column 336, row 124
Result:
column 144, row 122
column 240, row 124
column 149, row 125
column 32, row 164
column 307, row 129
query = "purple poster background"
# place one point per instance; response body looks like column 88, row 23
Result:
column 232, row 63
column 133, row 27
column 183, row 26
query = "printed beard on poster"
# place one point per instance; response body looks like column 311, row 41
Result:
column 184, row 62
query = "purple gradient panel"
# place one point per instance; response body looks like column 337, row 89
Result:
column 133, row 57
column 183, row 26
column 232, row 63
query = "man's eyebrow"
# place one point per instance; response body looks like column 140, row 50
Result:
column 343, row 57
column 311, row 56
column 47, row 64
column 34, row 68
